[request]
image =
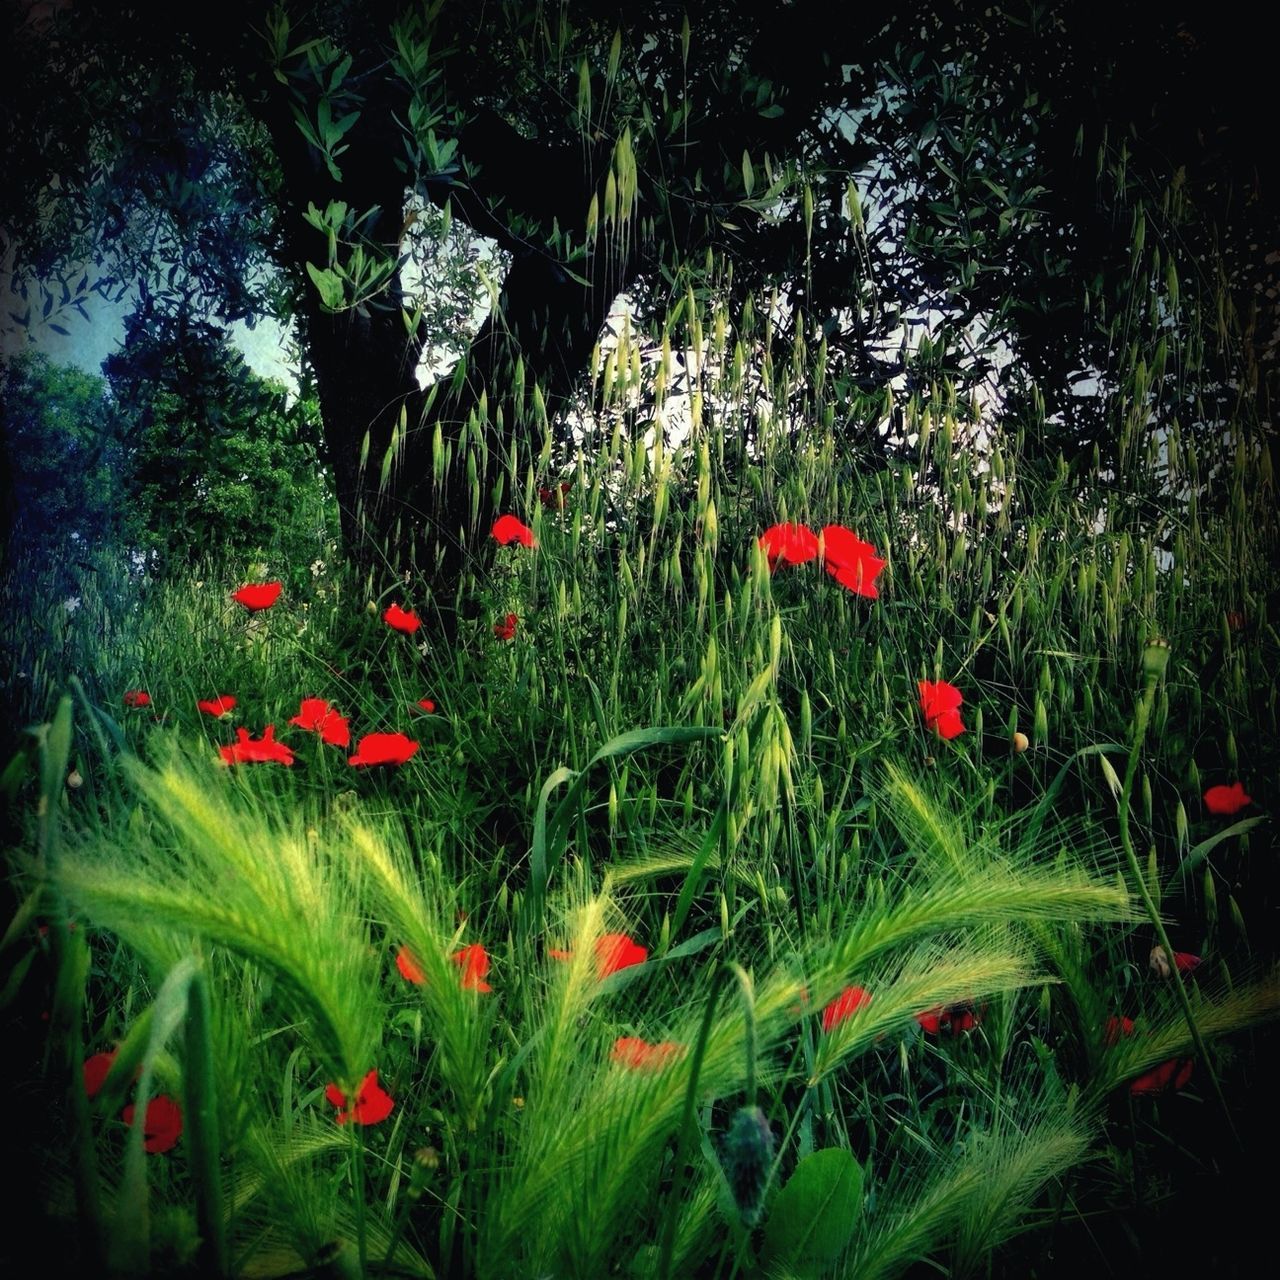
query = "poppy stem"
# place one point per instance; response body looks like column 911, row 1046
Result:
column 357, row 1188
column 1142, row 717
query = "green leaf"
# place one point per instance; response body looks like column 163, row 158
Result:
column 329, row 286
column 813, row 1215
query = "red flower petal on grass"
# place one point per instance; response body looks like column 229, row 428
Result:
column 616, row 951
column 1115, row 1028
column 137, row 698
column 372, row 1103
column 95, row 1072
column 264, row 750
column 409, row 967
column 426, row 704
column 383, row 748
column 1227, row 800
column 639, row 1055
column 940, row 703
column 257, row 595
column 848, row 1002
column 850, row 561
column 1185, row 962
column 793, row 543
column 218, row 706
column 474, row 963
column 506, row 629
column 162, row 1125
column 399, row 619
column 317, row 716
column 1171, row 1075
column 953, row 1019
column 554, row 496
column 508, row 529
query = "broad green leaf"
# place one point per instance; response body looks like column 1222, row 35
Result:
column 814, row 1214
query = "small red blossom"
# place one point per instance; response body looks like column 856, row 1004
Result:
column 940, row 703
column 218, row 706
column 426, row 704
column 161, row 1126
column 137, row 698
column 372, row 1104
column 1227, row 800
column 793, row 543
column 506, row 629
column 383, row 748
column 616, row 951
column 399, row 619
column 850, row 561
column 639, row 1055
column 949, row 1019
column 264, row 750
column 1115, row 1028
column 508, row 529
column 848, row 1002
column 257, row 595
column 554, row 496
column 1171, row 1075
column 1185, row 962
column 95, row 1072
column 474, row 963
column 317, row 716
column 409, row 967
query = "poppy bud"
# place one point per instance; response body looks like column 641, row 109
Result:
column 74, row 779
column 747, row 1156
column 1155, row 658
column 1019, row 742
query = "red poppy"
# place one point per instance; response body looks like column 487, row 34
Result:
column 409, row 967
column 1171, row 1075
column 1236, row 620
column 952, row 1019
column 95, row 1072
column 399, row 619
column 137, row 698
column 218, row 706
column 264, row 750
column 162, row 1125
column 506, row 629
column 426, row 704
column 1115, row 1028
column 639, row 1055
column 1226, row 800
column 474, row 963
column 508, row 529
column 554, row 497
column 616, row 951
column 850, row 561
column 257, row 595
column 1185, row 962
column 372, row 1103
column 793, row 543
column 940, row 703
column 317, row 716
column 383, row 748
column 848, row 1002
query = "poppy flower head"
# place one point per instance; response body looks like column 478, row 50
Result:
column 554, row 496
column 95, row 1072
column 317, row 716
column 218, row 706
column 940, row 703
column 1227, row 800
column 506, row 629
column 399, row 619
column 257, row 595
column 847, row 1003
column 137, row 698
column 161, row 1126
column 372, row 1103
column 383, row 748
column 264, row 750
column 793, row 543
column 948, row 1019
column 616, row 951
column 474, row 963
column 426, row 704
column 409, row 967
column 637, row 1054
column 508, row 529
column 1115, row 1028
column 1167, row 1077
column 850, row 561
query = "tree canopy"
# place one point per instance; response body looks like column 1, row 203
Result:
column 983, row 175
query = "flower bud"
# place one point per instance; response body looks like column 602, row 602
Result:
column 747, row 1156
column 1155, row 658
column 1019, row 742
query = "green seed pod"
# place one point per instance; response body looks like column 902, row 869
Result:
column 724, row 916
column 746, row 1154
